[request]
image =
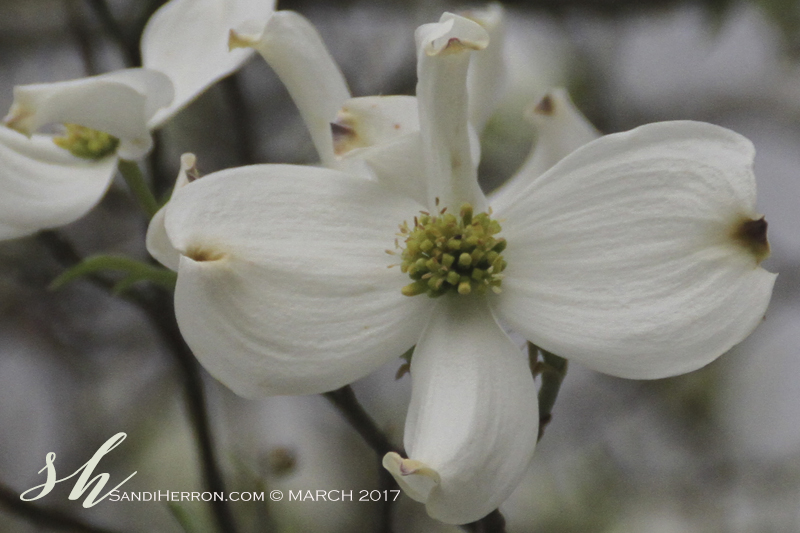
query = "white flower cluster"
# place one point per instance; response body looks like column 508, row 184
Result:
column 634, row 253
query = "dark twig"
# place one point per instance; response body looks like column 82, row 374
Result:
column 81, row 35
column 552, row 370
column 242, row 119
column 158, row 306
column 128, row 43
column 491, row 523
column 45, row 517
column 345, row 401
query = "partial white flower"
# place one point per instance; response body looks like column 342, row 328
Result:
column 44, row 185
column 184, row 50
column 119, row 103
column 188, row 41
column 107, row 118
column 637, row 254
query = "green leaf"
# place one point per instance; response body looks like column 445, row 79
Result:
column 134, row 271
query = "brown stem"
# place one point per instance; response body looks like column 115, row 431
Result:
column 345, row 401
column 491, row 523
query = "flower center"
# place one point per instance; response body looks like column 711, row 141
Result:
column 445, row 253
column 87, row 143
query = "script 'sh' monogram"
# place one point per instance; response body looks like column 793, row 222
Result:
column 83, row 483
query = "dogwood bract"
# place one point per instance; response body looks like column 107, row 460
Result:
column 110, row 116
column 637, row 255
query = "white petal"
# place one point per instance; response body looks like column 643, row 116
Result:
column 560, row 130
column 473, row 419
column 118, row 103
column 487, row 70
column 622, row 256
column 397, row 164
column 443, row 53
column 283, row 287
column 294, row 49
column 188, row 41
column 157, row 241
column 44, row 186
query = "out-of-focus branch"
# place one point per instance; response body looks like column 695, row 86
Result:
column 552, row 369
column 79, row 32
column 242, row 119
column 347, row 404
column 345, row 401
column 158, row 306
column 491, row 523
column 128, row 42
column 44, row 517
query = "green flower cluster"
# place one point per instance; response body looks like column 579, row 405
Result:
column 446, row 253
column 87, row 143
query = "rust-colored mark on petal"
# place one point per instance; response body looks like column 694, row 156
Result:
column 18, row 118
column 202, row 254
column 546, row 106
column 345, row 137
column 189, row 167
column 454, row 45
column 752, row 234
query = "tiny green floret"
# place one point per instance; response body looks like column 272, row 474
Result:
column 447, row 253
column 87, row 143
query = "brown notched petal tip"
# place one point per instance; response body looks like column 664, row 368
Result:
column 752, row 234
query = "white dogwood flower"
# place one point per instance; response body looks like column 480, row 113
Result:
column 638, row 255
column 110, row 116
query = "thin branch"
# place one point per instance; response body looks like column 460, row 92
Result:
column 242, row 119
column 161, row 310
column 45, row 517
column 158, row 306
column 81, row 35
column 345, row 401
column 553, row 370
column 128, row 43
column 491, row 523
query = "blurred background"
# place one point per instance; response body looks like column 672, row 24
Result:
column 717, row 450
